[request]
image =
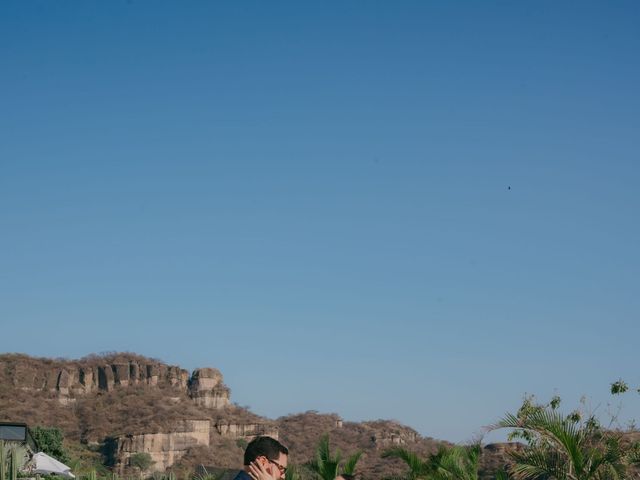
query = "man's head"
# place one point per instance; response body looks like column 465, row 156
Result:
column 270, row 453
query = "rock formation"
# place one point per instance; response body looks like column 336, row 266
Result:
column 165, row 449
column 206, row 388
column 244, row 430
column 72, row 379
column 126, row 404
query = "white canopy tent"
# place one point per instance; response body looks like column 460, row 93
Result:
column 45, row 464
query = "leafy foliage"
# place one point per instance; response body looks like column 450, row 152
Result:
column 328, row 466
column 448, row 463
column 564, row 447
column 293, row 473
column 141, row 460
column 458, row 462
column 618, row 387
column 50, row 440
column 418, row 468
column 207, row 475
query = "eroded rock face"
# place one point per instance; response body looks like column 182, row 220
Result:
column 72, row 379
column 169, row 437
column 240, row 430
column 86, row 379
column 121, row 374
column 206, row 388
column 504, row 447
column 164, row 448
column 388, row 434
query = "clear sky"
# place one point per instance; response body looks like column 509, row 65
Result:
column 410, row 210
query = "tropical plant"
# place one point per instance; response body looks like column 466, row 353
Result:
column 565, row 447
column 418, row 467
column 327, row 466
column 206, row 475
column 3, row 461
column 448, row 463
column 457, row 462
column 12, row 459
column 501, row 475
column 13, row 466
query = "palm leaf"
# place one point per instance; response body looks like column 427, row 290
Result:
column 535, row 463
column 417, row 467
column 349, row 466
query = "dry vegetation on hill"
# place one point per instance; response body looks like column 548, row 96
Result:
column 302, row 433
column 91, row 418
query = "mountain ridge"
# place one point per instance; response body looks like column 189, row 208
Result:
column 121, row 404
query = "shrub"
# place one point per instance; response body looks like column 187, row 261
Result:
column 141, row 460
column 49, row 441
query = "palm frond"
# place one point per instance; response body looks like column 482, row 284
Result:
column 349, row 466
column 535, row 463
column 416, row 465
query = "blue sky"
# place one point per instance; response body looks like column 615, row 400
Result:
column 409, row 210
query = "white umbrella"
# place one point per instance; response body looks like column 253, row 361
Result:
column 45, row 464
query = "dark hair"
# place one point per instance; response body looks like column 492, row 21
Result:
column 264, row 446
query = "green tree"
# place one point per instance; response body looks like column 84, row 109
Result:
column 564, row 447
column 448, row 463
column 50, row 441
column 141, row 460
column 328, row 466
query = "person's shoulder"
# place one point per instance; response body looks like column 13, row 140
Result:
column 242, row 475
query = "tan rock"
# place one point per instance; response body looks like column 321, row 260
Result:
column 65, row 381
column 207, row 390
column 239, row 430
column 52, row 379
column 134, row 373
column 164, row 448
column 106, row 379
column 153, row 374
column 86, row 378
column 121, row 374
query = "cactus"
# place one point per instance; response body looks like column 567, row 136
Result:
column 13, row 469
column 172, row 476
column 3, row 462
column 91, row 475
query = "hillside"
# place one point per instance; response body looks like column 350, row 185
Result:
column 111, row 407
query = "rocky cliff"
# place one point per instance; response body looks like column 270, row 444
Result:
column 164, row 449
column 121, row 405
column 69, row 380
column 125, row 404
